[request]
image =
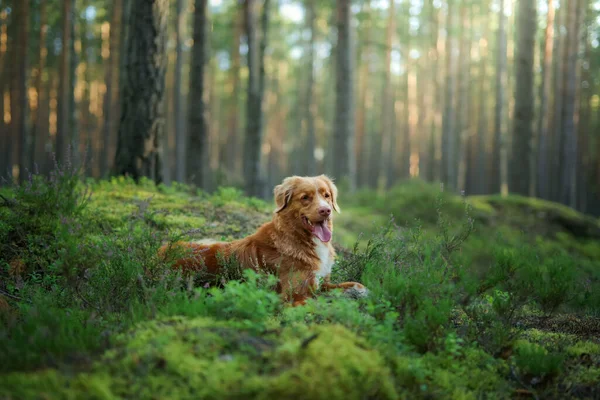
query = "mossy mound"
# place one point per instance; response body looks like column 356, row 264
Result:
column 225, row 214
column 200, row 358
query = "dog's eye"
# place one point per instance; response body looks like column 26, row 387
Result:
column 326, row 195
column 305, row 197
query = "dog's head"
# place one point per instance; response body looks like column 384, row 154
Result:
column 307, row 203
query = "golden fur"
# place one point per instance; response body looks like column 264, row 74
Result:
column 287, row 245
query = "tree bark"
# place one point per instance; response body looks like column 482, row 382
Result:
column 111, row 80
column 544, row 121
column 40, row 88
column 63, row 131
column 568, row 173
column 448, row 122
column 405, row 126
column 499, row 143
column 433, row 169
column 584, row 165
column 343, row 134
column 180, row 135
column 464, row 101
column 481, row 166
column 5, row 142
column 560, row 49
column 361, row 153
column 387, row 102
column 197, row 141
column 309, row 106
column 142, row 116
column 233, row 156
column 256, row 83
column 21, row 73
column 524, row 101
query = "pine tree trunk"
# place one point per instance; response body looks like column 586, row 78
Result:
column 233, row 153
column 142, row 117
column 559, row 50
column 435, row 130
column 75, row 134
column 343, row 136
column 481, row 166
column 584, row 166
column 309, row 108
column 179, row 114
column 361, row 152
column 256, row 81
column 40, row 88
column 387, row 101
column 544, row 121
column 63, row 130
column 448, row 121
column 464, row 101
column 524, row 101
column 405, row 126
column 21, row 73
column 111, row 80
column 4, row 79
column 568, row 173
column 498, row 143
column 197, row 130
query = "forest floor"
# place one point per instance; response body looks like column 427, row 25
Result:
column 478, row 297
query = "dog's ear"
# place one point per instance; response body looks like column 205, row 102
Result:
column 283, row 194
column 334, row 192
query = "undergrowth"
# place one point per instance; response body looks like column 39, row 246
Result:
column 88, row 307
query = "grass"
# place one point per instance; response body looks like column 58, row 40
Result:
column 469, row 298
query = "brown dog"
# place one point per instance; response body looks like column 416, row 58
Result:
column 295, row 244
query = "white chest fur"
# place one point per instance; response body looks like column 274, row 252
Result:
column 326, row 261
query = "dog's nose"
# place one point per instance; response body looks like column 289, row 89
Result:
column 325, row 211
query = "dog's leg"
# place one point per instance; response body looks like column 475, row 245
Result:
column 327, row 286
column 297, row 287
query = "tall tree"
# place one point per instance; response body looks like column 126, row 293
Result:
column 498, row 142
column 481, row 166
column 524, row 101
column 256, row 84
column 464, row 100
column 309, row 104
column 232, row 156
column 361, row 147
column 21, row 73
column 40, row 87
column 403, row 170
column 343, row 133
column 387, row 100
column 4, row 69
column 197, row 130
column 544, row 120
column 111, row 79
column 560, row 49
column 568, row 176
column 179, row 114
column 433, row 170
column 142, row 116
column 449, row 159
column 63, row 131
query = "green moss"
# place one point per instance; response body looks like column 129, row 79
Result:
column 473, row 375
column 580, row 348
column 182, row 358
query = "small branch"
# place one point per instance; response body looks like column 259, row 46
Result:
column 86, row 301
column 308, row 340
column 16, row 298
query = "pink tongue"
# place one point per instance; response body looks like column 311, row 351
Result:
column 322, row 232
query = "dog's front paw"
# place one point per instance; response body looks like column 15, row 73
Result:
column 355, row 290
